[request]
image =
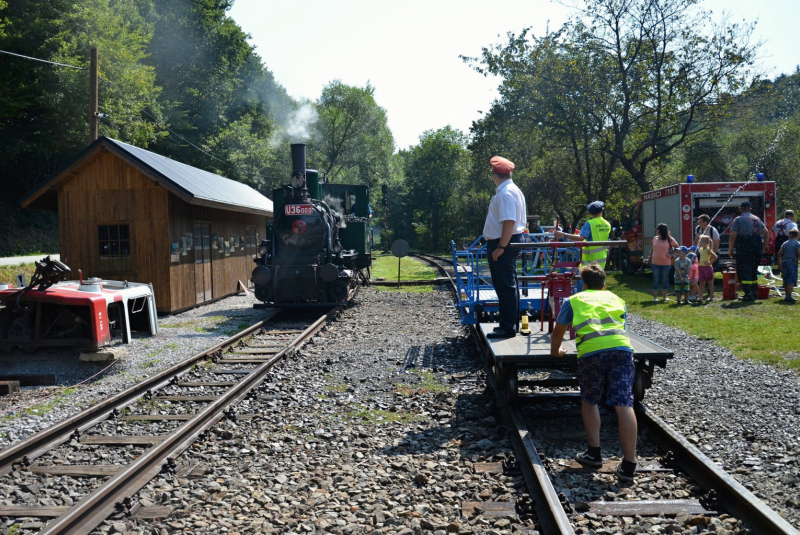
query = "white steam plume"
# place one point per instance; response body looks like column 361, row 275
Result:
column 297, row 127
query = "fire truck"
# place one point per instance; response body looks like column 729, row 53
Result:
column 680, row 205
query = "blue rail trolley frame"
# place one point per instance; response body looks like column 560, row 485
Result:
column 477, row 299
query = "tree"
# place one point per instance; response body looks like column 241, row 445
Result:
column 632, row 80
column 436, row 171
column 216, row 93
column 44, row 108
column 352, row 142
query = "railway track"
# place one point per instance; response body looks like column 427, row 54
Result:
column 152, row 422
column 675, row 480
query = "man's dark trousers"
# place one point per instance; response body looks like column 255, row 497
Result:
column 747, row 260
column 504, row 280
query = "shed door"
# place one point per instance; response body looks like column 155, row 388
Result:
column 207, row 262
column 202, row 262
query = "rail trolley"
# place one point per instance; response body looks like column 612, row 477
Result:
column 547, row 274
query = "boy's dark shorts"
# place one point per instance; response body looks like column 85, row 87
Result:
column 614, row 370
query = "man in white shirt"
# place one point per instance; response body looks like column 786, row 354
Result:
column 505, row 224
column 704, row 228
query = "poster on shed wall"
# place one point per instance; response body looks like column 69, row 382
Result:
column 174, row 252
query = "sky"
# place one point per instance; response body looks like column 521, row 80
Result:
column 409, row 50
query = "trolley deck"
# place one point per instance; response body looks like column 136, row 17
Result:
column 509, row 355
column 534, row 349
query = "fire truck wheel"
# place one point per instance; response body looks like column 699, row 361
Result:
column 625, row 265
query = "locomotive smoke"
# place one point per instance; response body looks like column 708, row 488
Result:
column 297, row 127
column 338, row 210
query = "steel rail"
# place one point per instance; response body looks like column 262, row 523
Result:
column 551, row 515
column 94, row 508
column 47, row 439
column 733, row 496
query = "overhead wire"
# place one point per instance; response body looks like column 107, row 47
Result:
column 44, row 61
column 164, row 125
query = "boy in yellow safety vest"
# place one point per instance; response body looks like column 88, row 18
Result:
column 605, row 361
column 596, row 228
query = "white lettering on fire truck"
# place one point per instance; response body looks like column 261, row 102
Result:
column 672, row 190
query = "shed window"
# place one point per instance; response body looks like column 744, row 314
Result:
column 115, row 248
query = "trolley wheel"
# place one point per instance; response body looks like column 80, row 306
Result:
column 512, row 386
column 639, row 383
column 500, row 375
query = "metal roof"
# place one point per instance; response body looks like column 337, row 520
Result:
column 196, row 183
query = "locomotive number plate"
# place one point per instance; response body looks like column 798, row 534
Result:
column 298, row 209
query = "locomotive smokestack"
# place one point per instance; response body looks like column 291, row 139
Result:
column 299, row 159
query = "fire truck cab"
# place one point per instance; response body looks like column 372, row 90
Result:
column 680, row 205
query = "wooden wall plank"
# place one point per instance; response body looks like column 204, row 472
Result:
column 107, row 191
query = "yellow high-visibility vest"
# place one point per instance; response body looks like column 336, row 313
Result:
column 598, row 321
column 600, row 232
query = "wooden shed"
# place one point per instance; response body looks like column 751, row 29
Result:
column 129, row 214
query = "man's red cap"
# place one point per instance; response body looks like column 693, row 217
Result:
column 501, row 165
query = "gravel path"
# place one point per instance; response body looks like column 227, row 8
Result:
column 744, row 416
column 180, row 336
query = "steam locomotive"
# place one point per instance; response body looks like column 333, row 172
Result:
column 319, row 246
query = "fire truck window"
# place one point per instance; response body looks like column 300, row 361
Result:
column 115, row 248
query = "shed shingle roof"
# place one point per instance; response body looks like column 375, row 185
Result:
column 194, row 185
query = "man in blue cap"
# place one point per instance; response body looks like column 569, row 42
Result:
column 595, row 229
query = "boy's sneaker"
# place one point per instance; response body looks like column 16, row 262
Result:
column 623, row 475
column 790, row 299
column 588, row 460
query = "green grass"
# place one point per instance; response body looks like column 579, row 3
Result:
column 8, row 273
column 430, row 383
column 385, row 267
column 765, row 331
column 410, row 269
column 41, row 408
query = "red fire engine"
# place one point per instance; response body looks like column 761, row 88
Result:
column 680, row 205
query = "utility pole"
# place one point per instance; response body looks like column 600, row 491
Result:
column 93, row 117
column 385, row 192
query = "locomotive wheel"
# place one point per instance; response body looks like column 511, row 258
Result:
column 263, row 292
column 338, row 290
column 639, row 383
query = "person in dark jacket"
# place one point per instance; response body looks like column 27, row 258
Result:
column 748, row 237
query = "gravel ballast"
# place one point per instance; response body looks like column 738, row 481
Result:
column 742, row 415
column 180, row 336
column 381, row 425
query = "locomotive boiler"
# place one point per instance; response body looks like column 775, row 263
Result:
column 318, row 248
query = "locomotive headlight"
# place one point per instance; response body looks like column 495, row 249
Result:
column 297, row 181
column 337, row 248
column 262, row 250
